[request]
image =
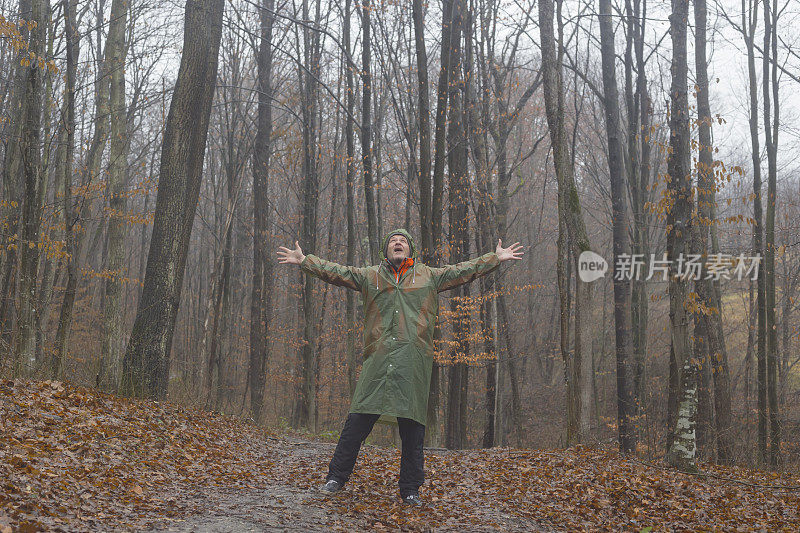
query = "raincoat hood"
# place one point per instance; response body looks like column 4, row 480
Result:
column 405, row 234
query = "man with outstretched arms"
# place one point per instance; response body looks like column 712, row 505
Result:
column 401, row 305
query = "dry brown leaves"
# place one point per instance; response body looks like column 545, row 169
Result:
column 75, row 459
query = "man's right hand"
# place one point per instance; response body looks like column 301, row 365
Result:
column 293, row 257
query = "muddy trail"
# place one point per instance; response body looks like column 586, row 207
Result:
column 293, row 502
column 74, row 459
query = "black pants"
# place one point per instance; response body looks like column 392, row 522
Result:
column 357, row 427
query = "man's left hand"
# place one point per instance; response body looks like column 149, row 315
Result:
column 512, row 252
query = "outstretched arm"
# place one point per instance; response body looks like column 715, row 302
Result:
column 451, row 276
column 344, row 276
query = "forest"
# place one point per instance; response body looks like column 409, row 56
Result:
column 155, row 155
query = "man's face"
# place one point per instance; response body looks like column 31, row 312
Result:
column 398, row 248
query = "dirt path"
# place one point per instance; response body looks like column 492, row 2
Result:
column 293, row 501
column 277, row 506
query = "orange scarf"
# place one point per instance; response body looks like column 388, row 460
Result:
column 407, row 263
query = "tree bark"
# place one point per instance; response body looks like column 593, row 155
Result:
column 771, row 142
column 459, row 243
column 72, row 43
column 366, row 133
column 440, row 153
column 12, row 181
column 439, row 141
column 682, row 452
column 350, row 207
column 30, row 152
column 306, row 406
column 578, row 372
column 626, row 408
column 112, row 349
column 749, row 23
column 146, row 362
column 424, row 176
column 261, row 296
column 706, row 200
column 638, row 163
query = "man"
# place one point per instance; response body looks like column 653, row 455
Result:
column 401, row 305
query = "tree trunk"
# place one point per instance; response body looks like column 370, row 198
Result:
column 30, row 151
column 578, row 376
column 706, row 199
column 638, row 163
column 771, row 142
column 146, row 362
column 458, row 241
column 440, row 153
column 74, row 242
column 305, row 409
column 12, row 181
column 72, row 43
column 366, row 133
column 424, row 175
column 749, row 21
column 350, row 207
column 261, row 299
column 682, row 452
column 626, row 408
column 485, row 237
column 111, row 358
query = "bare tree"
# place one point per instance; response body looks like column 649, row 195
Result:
column 72, row 45
column 770, row 69
column 146, row 362
column 111, row 362
column 682, row 448
column 577, row 367
column 308, row 74
column 30, row 154
column 260, row 305
column 708, row 327
column 626, row 408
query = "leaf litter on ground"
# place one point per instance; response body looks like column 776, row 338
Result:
column 75, row 459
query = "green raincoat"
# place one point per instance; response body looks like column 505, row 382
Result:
column 399, row 319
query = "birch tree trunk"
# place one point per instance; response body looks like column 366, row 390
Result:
column 682, row 451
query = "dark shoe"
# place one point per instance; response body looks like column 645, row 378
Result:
column 331, row 486
column 412, row 499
